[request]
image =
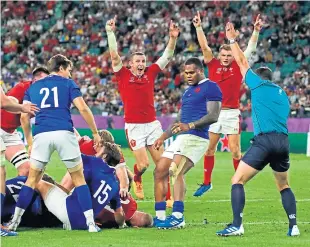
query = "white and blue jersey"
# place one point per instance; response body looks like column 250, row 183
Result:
column 194, row 104
column 53, row 95
column 103, row 186
column 270, row 105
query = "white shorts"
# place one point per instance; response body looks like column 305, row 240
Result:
column 11, row 139
column 191, row 146
column 142, row 135
column 55, row 202
column 63, row 141
column 2, row 145
column 228, row 123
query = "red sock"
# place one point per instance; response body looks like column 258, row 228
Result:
column 138, row 175
column 168, row 195
column 236, row 163
column 208, row 168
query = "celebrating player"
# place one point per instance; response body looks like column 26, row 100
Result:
column 226, row 73
column 100, row 174
column 271, row 108
column 136, row 86
column 201, row 104
column 53, row 130
column 9, row 137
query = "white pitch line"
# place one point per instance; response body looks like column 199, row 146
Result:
column 228, row 200
column 249, row 223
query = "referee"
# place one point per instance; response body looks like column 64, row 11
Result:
column 270, row 107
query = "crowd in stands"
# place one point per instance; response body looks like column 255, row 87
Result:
column 32, row 32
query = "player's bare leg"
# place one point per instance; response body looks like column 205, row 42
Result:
column 161, row 174
column 156, row 155
column 243, row 174
column 288, row 201
column 208, row 164
column 235, row 149
column 18, row 156
column 142, row 163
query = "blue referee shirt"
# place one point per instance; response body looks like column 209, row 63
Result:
column 270, row 105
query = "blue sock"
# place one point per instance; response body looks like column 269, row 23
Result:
column 25, row 197
column 2, row 200
column 237, row 203
column 160, row 210
column 178, row 209
column 84, row 197
column 289, row 204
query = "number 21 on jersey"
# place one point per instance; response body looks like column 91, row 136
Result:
column 46, row 92
column 102, row 193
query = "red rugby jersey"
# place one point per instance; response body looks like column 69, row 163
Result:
column 229, row 80
column 137, row 94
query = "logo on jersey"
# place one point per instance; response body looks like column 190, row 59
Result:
column 280, row 91
column 133, row 143
column 132, row 79
column 197, row 90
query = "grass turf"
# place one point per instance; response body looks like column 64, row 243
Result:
column 264, row 218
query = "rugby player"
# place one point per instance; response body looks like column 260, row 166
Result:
column 136, row 87
column 225, row 72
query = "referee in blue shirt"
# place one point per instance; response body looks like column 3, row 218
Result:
column 270, row 111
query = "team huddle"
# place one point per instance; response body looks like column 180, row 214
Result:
column 95, row 191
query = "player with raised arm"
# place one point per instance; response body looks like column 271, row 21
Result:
column 99, row 173
column 53, row 130
column 9, row 104
column 225, row 72
column 270, row 145
column 201, row 104
column 136, row 87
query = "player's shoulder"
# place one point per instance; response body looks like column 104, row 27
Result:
column 214, row 62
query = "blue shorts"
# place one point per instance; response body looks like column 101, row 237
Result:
column 269, row 148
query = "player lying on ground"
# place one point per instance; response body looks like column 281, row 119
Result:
column 36, row 215
column 11, row 104
column 136, row 87
column 270, row 145
column 225, row 72
column 201, row 104
column 99, row 172
column 53, row 131
column 106, row 218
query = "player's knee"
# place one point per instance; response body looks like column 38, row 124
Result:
column 144, row 164
column 237, row 180
column 235, row 151
column 160, row 173
column 210, row 151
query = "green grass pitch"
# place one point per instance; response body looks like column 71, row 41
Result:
column 265, row 222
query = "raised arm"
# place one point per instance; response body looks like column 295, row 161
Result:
column 168, row 53
column 254, row 38
column 206, row 50
column 240, row 58
column 116, row 59
column 213, row 109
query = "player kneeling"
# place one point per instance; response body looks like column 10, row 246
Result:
column 99, row 173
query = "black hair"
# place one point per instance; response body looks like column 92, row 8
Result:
column 196, row 61
column 265, row 73
column 40, row 69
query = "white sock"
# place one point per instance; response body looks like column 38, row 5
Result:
column 89, row 215
column 18, row 213
column 178, row 215
column 161, row 214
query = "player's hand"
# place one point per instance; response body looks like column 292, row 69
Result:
column 174, row 30
column 110, row 25
column 258, row 23
column 123, row 193
column 158, row 143
column 30, row 109
column 231, row 33
column 97, row 139
column 179, row 127
column 197, row 20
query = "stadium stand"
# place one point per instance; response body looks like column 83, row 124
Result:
column 77, row 31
